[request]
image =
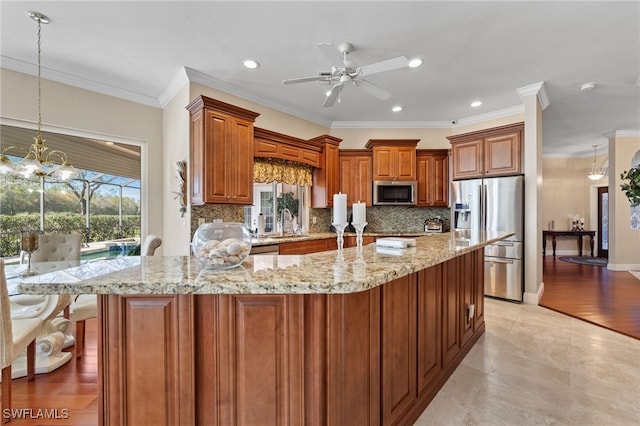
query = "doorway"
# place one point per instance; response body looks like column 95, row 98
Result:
column 603, row 221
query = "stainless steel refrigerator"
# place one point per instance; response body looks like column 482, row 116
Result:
column 495, row 204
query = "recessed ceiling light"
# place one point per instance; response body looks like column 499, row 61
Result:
column 415, row 63
column 476, row 104
column 587, row 86
column 327, row 93
column 396, row 108
column 251, row 64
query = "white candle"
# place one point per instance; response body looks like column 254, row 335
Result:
column 359, row 213
column 340, row 208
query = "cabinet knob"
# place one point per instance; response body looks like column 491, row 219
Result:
column 228, row 197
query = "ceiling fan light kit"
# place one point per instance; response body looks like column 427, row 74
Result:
column 345, row 72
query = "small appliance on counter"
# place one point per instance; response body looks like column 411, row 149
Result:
column 434, row 225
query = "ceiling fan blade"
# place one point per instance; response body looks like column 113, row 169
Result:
column 331, row 99
column 305, row 79
column 386, row 65
column 332, row 54
column 372, row 89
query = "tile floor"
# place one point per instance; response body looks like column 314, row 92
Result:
column 534, row 366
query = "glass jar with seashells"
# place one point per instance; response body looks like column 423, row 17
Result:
column 221, row 245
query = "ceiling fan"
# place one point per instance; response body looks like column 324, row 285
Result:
column 344, row 71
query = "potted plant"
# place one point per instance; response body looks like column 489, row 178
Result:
column 631, row 186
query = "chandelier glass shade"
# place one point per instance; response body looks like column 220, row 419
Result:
column 595, row 173
column 38, row 160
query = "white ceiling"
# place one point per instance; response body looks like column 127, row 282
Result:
column 471, row 50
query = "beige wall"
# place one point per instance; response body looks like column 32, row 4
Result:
column 567, row 190
column 624, row 252
column 70, row 110
column 429, row 138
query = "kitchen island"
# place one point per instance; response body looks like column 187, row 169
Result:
column 357, row 337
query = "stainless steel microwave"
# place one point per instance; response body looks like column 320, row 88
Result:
column 394, row 192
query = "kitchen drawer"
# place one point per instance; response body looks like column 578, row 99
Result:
column 511, row 249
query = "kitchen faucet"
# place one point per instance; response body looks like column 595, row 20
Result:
column 290, row 218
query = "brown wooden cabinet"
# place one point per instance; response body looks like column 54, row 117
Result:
column 271, row 144
column 326, row 177
column 221, row 152
column 308, row 246
column 432, row 167
column 393, row 159
column 486, row 153
column 374, row 357
column 356, row 179
column 398, row 343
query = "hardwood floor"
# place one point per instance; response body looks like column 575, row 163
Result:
column 594, row 294
column 610, row 299
column 71, row 391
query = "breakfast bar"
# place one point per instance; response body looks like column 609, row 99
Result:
column 350, row 337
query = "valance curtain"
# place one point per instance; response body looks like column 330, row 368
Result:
column 267, row 170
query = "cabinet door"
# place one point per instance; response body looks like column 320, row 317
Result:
column 502, row 154
column 309, row 246
column 239, row 168
column 478, row 319
column 432, row 172
column 405, row 163
column 218, row 128
column 450, row 311
column 398, row 346
column 468, row 159
column 429, row 326
column 356, row 178
column 383, row 163
column 467, row 296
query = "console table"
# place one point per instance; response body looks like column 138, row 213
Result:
column 578, row 234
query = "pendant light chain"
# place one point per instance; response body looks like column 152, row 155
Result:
column 39, row 83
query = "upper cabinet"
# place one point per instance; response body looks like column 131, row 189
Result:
column 271, row 144
column 326, row 177
column 393, row 159
column 433, row 177
column 221, row 152
column 356, row 178
column 486, row 153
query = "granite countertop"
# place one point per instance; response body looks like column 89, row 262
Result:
column 349, row 271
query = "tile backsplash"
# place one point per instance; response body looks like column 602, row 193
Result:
column 386, row 218
column 379, row 219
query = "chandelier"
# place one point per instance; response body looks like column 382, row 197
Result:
column 595, row 174
column 38, row 160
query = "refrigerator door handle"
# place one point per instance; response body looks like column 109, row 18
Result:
column 498, row 261
column 502, row 244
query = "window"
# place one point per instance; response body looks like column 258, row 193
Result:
column 292, row 197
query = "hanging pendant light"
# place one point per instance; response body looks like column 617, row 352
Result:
column 38, row 156
column 595, row 174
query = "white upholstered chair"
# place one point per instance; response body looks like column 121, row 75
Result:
column 150, row 244
column 86, row 305
column 15, row 336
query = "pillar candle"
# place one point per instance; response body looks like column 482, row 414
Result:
column 359, row 213
column 340, row 208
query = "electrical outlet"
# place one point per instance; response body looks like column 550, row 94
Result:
column 201, row 221
column 314, row 219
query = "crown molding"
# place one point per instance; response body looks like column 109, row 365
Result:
column 626, row 133
column 214, row 83
column 72, row 80
column 493, row 115
column 391, row 125
column 537, row 89
column 177, row 83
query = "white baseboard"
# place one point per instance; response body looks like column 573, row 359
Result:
column 533, row 298
column 623, row 266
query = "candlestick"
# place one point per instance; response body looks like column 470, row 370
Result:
column 29, row 243
column 339, row 227
column 359, row 230
column 359, row 213
column 340, row 208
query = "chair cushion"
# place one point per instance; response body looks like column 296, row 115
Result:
column 85, row 307
column 58, row 247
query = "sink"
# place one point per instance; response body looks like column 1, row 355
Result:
column 278, row 236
